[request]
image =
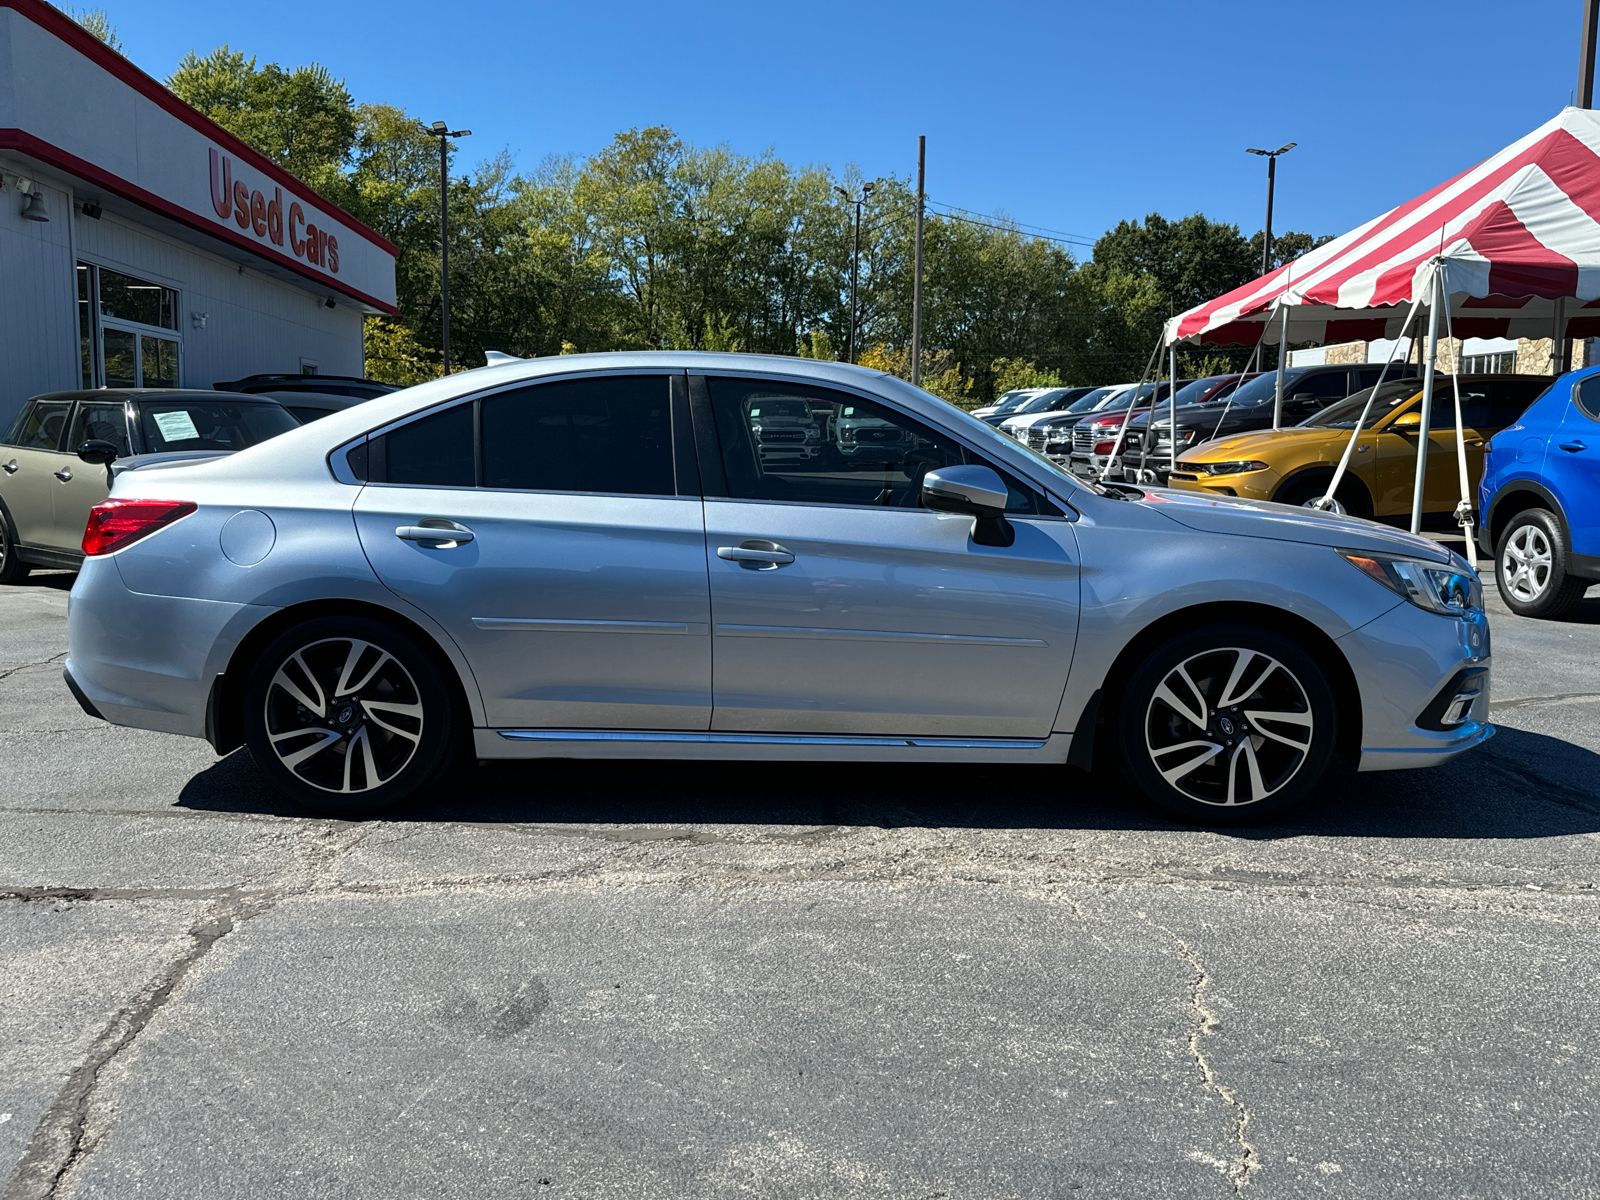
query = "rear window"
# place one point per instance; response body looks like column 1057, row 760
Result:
column 209, row 424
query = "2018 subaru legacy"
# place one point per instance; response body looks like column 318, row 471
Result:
column 591, row 557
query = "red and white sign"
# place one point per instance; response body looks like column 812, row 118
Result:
column 252, row 211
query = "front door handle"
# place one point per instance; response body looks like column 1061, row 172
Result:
column 757, row 555
column 1572, row 447
column 11, row 467
column 436, row 533
column 65, row 474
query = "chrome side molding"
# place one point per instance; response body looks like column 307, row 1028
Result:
column 764, row 739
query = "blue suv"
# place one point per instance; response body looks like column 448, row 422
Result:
column 1539, row 500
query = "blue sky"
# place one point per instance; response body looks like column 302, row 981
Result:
column 1068, row 116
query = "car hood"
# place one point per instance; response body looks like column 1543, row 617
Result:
column 1239, row 516
column 167, row 458
column 1248, row 445
column 1204, row 414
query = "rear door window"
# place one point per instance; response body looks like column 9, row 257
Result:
column 41, row 428
column 1325, row 385
column 432, row 451
column 1587, row 396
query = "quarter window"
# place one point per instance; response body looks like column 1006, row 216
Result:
column 609, row 433
column 815, row 446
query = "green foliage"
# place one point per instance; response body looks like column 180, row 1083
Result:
column 654, row 243
column 95, row 21
column 1012, row 373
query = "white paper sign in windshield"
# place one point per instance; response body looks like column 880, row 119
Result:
column 176, row 426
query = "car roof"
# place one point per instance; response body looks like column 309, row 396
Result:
column 139, row 394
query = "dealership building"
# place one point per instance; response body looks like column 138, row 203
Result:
column 142, row 245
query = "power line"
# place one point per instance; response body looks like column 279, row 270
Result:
column 1054, row 235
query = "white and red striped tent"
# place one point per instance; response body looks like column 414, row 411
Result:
column 1515, row 240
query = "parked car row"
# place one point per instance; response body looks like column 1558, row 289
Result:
column 63, row 451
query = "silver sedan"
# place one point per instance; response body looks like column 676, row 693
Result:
column 591, row 557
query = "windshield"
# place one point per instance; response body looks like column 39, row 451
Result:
column 1090, row 402
column 1011, row 401
column 1198, row 391
column 1347, row 412
column 1044, row 403
column 1264, row 388
column 210, row 424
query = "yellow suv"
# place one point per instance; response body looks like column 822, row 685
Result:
column 1295, row 465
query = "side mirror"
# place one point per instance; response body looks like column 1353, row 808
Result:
column 1407, row 422
column 976, row 491
column 98, row 453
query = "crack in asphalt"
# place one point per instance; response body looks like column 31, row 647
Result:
column 10, row 671
column 65, row 1134
column 1243, row 1162
column 1524, row 701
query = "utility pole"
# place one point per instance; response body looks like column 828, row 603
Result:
column 1272, row 173
column 1591, row 26
column 916, row 277
column 855, row 266
column 444, row 133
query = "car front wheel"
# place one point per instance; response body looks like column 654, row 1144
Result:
column 1530, row 566
column 1227, row 724
column 347, row 716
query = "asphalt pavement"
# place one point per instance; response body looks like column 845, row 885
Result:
column 679, row 979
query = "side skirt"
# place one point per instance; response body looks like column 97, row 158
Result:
column 629, row 743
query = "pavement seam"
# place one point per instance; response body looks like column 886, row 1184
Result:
column 10, row 671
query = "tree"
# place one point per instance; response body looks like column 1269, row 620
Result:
column 96, row 22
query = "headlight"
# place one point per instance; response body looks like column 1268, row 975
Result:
column 1442, row 588
column 1223, row 468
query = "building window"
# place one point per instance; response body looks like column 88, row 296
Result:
column 127, row 330
column 1502, row 363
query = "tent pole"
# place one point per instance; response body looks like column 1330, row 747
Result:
column 1153, row 365
column 1283, row 363
column 1423, row 440
column 1463, row 509
column 1558, row 329
column 1172, row 404
column 1355, row 434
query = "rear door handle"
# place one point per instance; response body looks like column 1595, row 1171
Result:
column 65, row 474
column 437, row 533
column 757, row 555
column 1572, row 447
column 11, row 467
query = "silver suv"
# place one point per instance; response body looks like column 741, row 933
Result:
column 592, row 557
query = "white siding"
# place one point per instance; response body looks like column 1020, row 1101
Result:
column 38, row 300
column 253, row 323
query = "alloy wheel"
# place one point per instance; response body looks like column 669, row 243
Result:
column 1229, row 726
column 343, row 715
column 1526, row 564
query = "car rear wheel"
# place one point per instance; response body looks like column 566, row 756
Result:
column 12, row 568
column 1530, row 566
column 347, row 716
column 1227, row 724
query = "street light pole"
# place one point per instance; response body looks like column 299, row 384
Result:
column 855, row 266
column 1272, row 173
column 916, row 277
column 444, row 133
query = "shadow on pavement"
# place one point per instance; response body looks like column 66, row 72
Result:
column 1520, row 785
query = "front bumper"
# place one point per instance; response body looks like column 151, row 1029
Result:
column 1403, row 661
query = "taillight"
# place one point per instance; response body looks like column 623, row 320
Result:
column 115, row 523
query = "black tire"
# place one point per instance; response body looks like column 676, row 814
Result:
column 1531, row 566
column 1259, row 767
column 12, row 568
column 394, row 720
column 1352, row 494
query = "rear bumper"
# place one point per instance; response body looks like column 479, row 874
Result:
column 147, row 661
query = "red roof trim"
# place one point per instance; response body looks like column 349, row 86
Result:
column 64, row 27
column 25, row 143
